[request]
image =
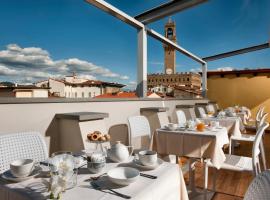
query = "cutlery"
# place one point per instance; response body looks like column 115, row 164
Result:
column 97, row 177
column 97, row 187
column 148, row 176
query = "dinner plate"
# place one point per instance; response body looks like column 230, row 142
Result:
column 147, row 167
column 7, row 175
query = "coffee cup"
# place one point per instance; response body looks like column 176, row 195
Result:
column 172, row 126
column 21, row 168
column 148, row 157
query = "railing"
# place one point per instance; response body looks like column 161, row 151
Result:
column 19, row 115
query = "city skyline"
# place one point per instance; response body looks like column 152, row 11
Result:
column 43, row 38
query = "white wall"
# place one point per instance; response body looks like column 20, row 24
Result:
column 40, row 93
column 41, row 116
column 23, row 94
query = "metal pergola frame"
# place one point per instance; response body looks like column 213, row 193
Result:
column 152, row 15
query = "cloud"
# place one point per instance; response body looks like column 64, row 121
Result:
column 131, row 85
column 196, row 70
column 224, row 69
column 34, row 63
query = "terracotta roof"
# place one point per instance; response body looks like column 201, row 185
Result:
column 239, row 72
column 122, row 95
column 23, row 87
column 188, row 89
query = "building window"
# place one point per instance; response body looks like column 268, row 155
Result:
column 89, row 94
column 82, row 94
column 187, row 79
column 65, row 94
column 94, row 94
column 75, row 94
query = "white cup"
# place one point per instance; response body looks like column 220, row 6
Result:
column 172, row 126
column 148, row 157
column 22, row 167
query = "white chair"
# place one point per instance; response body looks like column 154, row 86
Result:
column 140, row 135
column 21, row 145
column 201, row 112
column 181, row 117
column 140, row 132
column 259, row 115
column 251, row 138
column 211, row 108
column 163, row 119
column 259, row 187
column 240, row 163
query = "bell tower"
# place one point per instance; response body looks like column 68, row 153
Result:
column 169, row 52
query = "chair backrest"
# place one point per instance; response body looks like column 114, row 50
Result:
column 181, row 117
column 201, row 111
column 21, row 145
column 259, row 113
column 262, row 120
column 163, row 119
column 256, row 145
column 210, row 108
column 259, row 187
column 139, row 132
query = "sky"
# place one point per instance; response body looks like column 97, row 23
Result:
column 53, row 38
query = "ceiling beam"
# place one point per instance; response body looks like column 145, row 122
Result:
column 108, row 8
column 165, row 40
column 166, row 9
column 237, row 52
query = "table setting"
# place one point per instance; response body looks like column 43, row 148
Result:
column 195, row 139
column 111, row 174
column 228, row 119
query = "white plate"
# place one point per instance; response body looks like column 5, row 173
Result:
column 123, row 175
column 7, row 175
column 170, row 129
column 219, row 127
column 147, row 167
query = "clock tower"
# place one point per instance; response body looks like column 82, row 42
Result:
column 169, row 52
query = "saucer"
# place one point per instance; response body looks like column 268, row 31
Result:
column 219, row 127
column 171, row 128
column 7, row 175
column 147, row 167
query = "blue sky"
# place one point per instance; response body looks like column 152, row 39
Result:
column 66, row 33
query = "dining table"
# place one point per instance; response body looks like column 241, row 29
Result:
column 207, row 144
column 169, row 184
column 233, row 124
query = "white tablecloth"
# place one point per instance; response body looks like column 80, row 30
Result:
column 234, row 125
column 169, row 185
column 207, row 144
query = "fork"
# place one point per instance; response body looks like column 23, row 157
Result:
column 97, row 187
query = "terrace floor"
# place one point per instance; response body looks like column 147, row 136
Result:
column 231, row 185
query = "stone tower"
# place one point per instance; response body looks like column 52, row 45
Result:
column 169, row 52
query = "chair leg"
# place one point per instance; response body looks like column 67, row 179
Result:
column 259, row 167
column 205, row 179
column 230, row 146
column 263, row 155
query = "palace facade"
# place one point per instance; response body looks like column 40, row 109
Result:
column 170, row 82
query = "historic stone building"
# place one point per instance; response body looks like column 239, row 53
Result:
column 171, row 80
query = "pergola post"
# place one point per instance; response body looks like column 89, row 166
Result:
column 204, row 80
column 141, row 89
